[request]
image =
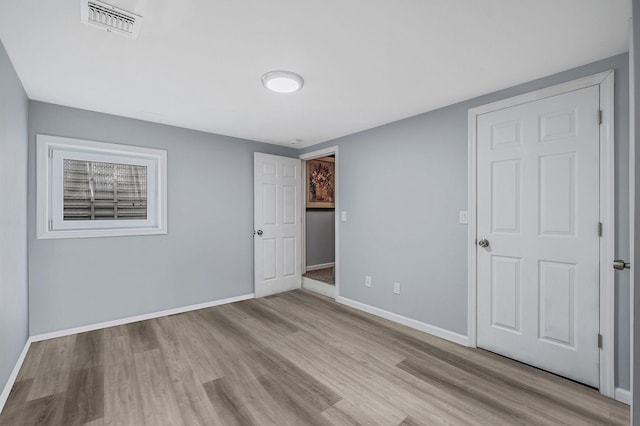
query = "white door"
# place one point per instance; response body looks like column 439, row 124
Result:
column 277, row 223
column 538, row 210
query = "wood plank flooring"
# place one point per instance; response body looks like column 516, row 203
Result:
column 290, row 359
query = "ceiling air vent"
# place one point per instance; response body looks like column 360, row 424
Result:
column 110, row 18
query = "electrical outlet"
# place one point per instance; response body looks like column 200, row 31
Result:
column 367, row 281
column 396, row 288
column 343, row 216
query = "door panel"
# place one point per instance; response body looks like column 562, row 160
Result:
column 268, row 258
column 268, row 204
column 505, row 292
column 557, row 125
column 557, row 194
column 538, row 206
column 289, row 204
column 506, row 135
column 557, row 302
column 277, row 222
column 506, row 201
column 289, row 256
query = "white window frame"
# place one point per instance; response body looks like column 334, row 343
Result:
column 50, row 155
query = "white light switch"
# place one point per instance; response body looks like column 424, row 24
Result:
column 462, row 217
column 343, row 216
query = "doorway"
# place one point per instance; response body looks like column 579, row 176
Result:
column 319, row 273
column 541, row 229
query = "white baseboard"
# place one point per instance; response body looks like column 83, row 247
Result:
column 14, row 375
column 106, row 324
column 320, row 266
column 319, row 287
column 418, row 325
column 623, row 396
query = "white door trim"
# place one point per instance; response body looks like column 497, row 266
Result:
column 310, row 156
column 605, row 81
column 632, row 207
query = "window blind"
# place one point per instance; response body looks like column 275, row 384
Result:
column 104, row 191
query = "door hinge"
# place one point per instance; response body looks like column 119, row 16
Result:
column 50, row 152
column 600, row 116
column 50, row 224
column 600, row 229
column 599, row 341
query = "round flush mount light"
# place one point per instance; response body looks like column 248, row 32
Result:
column 282, row 81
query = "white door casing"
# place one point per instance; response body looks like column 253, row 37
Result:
column 538, row 329
column 277, row 224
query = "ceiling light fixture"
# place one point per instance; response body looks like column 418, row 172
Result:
column 282, row 81
column 295, row 141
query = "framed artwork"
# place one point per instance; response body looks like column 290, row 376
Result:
column 321, row 183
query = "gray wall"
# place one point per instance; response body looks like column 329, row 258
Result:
column 403, row 184
column 320, row 237
column 207, row 254
column 14, row 316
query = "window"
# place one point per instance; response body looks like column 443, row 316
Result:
column 94, row 189
column 103, row 191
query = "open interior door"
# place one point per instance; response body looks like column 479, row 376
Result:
column 277, row 224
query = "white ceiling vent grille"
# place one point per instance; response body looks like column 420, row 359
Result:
column 110, row 18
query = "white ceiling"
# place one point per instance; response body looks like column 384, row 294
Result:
column 197, row 63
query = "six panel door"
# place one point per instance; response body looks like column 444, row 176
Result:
column 277, row 224
column 538, row 209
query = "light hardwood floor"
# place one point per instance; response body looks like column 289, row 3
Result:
column 290, row 359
